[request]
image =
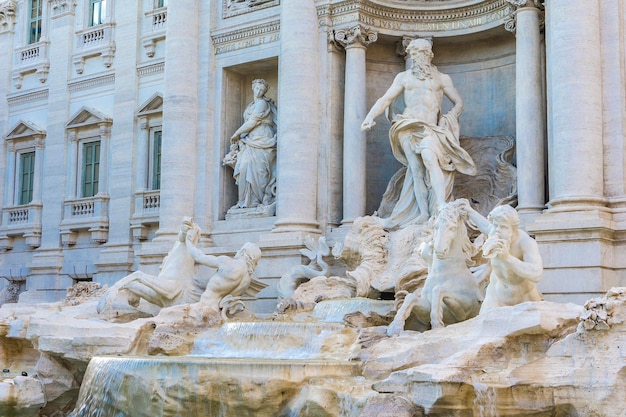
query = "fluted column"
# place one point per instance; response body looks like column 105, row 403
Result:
column 574, row 68
column 529, row 105
column 180, row 102
column 299, row 118
column 355, row 41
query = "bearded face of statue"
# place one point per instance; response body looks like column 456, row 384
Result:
column 422, row 67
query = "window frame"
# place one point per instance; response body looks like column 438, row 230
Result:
column 21, row 174
column 154, row 160
column 34, row 37
column 84, row 145
column 103, row 13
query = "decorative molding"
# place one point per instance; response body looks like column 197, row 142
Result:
column 25, row 130
column 90, row 83
column 156, row 23
column 232, row 8
column 151, row 106
column 428, row 18
column 510, row 24
column 7, row 15
column 29, row 59
column 27, row 98
column 247, row 37
column 62, row 7
column 151, row 69
column 94, row 41
column 356, row 34
column 88, row 116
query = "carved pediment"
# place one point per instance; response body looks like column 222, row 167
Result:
column 153, row 105
column 24, row 129
column 87, row 116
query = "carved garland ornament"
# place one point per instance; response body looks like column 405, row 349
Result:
column 7, row 15
column 62, row 6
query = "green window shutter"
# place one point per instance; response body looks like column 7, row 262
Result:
column 91, row 168
column 27, row 175
column 156, row 160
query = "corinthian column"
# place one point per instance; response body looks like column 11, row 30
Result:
column 180, row 107
column 574, row 68
column 529, row 105
column 355, row 41
column 299, row 118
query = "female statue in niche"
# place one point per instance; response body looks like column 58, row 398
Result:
column 253, row 152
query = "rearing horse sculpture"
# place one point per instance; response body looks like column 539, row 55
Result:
column 451, row 293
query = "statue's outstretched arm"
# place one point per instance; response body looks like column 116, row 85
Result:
column 384, row 102
column 201, row 258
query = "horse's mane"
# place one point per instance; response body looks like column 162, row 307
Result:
column 451, row 212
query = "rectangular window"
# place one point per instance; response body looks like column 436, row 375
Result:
column 160, row 3
column 27, row 174
column 156, row 160
column 97, row 12
column 91, row 167
column 34, row 21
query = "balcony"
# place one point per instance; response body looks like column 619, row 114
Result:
column 32, row 58
column 91, row 213
column 154, row 29
column 21, row 221
column 147, row 205
column 94, row 41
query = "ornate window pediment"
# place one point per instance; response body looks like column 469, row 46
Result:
column 24, row 130
column 87, row 116
column 151, row 106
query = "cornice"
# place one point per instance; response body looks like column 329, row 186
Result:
column 28, row 97
column 246, row 37
column 430, row 18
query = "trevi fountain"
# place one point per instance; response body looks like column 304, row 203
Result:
column 454, row 294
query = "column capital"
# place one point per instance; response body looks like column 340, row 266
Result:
column 355, row 36
column 7, row 15
column 538, row 6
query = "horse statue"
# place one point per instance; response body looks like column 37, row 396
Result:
column 451, row 293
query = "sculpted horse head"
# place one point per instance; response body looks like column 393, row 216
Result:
column 450, row 236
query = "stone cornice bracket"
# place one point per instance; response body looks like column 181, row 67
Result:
column 355, row 35
column 62, row 7
column 510, row 22
column 7, row 15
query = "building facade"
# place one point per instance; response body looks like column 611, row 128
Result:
column 115, row 117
